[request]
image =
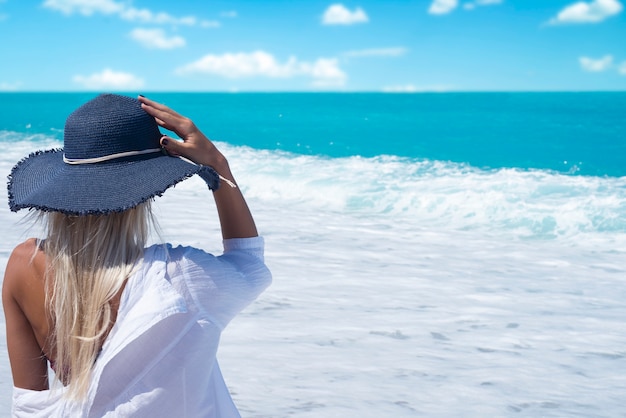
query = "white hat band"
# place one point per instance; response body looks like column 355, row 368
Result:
column 78, row 161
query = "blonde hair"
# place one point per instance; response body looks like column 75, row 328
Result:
column 90, row 258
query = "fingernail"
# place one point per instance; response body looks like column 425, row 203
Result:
column 141, row 95
column 164, row 141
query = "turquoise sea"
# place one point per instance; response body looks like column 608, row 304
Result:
column 435, row 255
column 576, row 133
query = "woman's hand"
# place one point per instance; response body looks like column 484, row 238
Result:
column 235, row 218
column 195, row 146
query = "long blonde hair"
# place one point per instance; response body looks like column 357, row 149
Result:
column 90, row 258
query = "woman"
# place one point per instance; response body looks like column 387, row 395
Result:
column 128, row 330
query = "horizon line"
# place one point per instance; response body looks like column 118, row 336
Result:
column 382, row 92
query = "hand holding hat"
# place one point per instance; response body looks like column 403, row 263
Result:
column 195, row 146
column 235, row 217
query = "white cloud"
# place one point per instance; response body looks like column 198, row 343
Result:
column 440, row 7
column 338, row 14
column 123, row 10
column 229, row 14
column 146, row 16
column 472, row 5
column 236, row 65
column 109, row 79
column 156, row 39
column 377, row 52
column 588, row 12
column 602, row 64
column 596, row 65
column 84, row 7
column 323, row 71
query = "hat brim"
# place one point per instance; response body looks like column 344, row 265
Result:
column 43, row 181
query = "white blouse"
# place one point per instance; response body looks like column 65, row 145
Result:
column 160, row 358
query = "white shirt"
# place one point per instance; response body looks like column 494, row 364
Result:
column 160, row 358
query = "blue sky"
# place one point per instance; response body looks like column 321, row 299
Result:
column 310, row 45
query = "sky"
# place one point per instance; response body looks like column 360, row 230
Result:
column 311, row 45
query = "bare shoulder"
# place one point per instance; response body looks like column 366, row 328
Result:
column 26, row 249
column 23, row 300
column 25, row 264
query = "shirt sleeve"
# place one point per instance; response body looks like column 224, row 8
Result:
column 223, row 286
column 254, row 246
column 35, row 404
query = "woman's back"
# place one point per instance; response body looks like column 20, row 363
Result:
column 26, row 289
column 171, row 314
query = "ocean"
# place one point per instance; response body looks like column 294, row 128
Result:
column 434, row 255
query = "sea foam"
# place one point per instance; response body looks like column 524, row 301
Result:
column 408, row 287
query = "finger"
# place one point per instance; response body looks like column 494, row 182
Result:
column 160, row 122
column 165, row 114
column 158, row 107
column 152, row 103
column 166, row 117
column 173, row 147
column 163, row 118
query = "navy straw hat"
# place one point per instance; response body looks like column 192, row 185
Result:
column 111, row 161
